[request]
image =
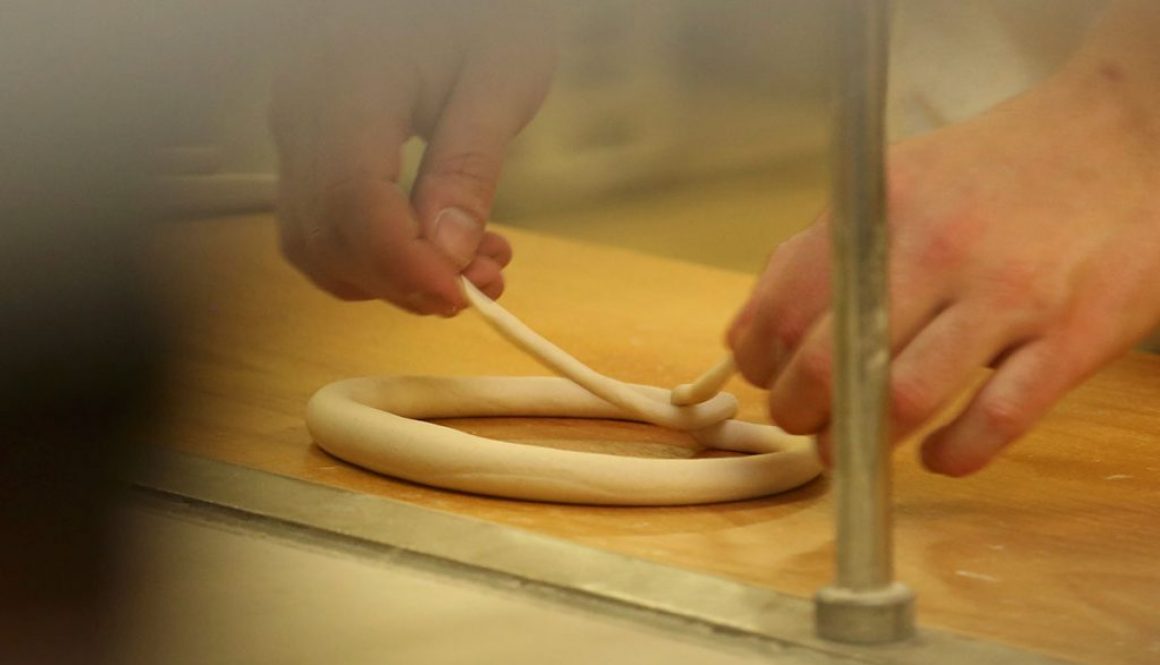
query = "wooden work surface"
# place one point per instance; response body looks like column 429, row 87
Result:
column 1055, row 548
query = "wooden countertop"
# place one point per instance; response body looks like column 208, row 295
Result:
column 1055, row 548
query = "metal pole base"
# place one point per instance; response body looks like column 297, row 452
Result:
column 877, row 616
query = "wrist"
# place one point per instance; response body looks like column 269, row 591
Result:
column 1116, row 107
column 1115, row 80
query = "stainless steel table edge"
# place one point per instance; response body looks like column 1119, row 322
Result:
column 732, row 613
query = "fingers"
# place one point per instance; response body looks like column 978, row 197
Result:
column 486, row 269
column 939, row 363
column 340, row 117
column 343, row 221
column 457, row 234
column 294, row 250
column 1021, row 392
column 926, row 375
column 800, row 398
column 486, row 274
column 495, row 247
column 501, row 85
column 791, row 294
column 386, row 256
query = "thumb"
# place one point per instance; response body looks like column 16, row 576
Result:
column 498, row 91
column 456, row 183
column 456, row 232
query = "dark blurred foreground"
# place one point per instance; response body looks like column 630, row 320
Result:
column 88, row 91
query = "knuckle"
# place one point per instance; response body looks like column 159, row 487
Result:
column 945, row 245
column 815, row 364
column 312, row 247
column 769, row 325
column 911, row 401
column 471, row 169
column 1021, row 286
column 341, row 197
column 780, row 254
column 319, row 276
column 1014, row 281
column 776, row 324
column 321, row 225
column 1004, row 417
column 320, row 239
column 312, row 254
column 944, row 250
column 786, row 332
column 292, row 249
column 803, row 245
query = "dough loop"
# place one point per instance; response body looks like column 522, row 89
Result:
column 378, row 423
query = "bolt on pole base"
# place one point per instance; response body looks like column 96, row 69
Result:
column 875, row 616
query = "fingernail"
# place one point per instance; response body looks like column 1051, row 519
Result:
column 457, row 234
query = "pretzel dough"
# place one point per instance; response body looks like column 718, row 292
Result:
column 377, row 423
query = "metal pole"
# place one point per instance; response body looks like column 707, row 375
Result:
column 864, row 605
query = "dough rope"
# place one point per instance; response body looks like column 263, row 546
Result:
column 631, row 400
column 379, row 423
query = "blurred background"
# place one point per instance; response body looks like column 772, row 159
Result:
column 705, row 123
column 667, row 107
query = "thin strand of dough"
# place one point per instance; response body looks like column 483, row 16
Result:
column 706, row 386
column 657, row 412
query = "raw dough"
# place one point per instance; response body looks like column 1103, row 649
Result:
column 378, row 423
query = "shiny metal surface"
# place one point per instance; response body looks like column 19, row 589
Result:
column 863, row 605
column 663, row 597
column 873, row 616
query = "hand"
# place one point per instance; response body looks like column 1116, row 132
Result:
column 364, row 78
column 1026, row 240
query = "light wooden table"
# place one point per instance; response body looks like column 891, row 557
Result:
column 1055, row 548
